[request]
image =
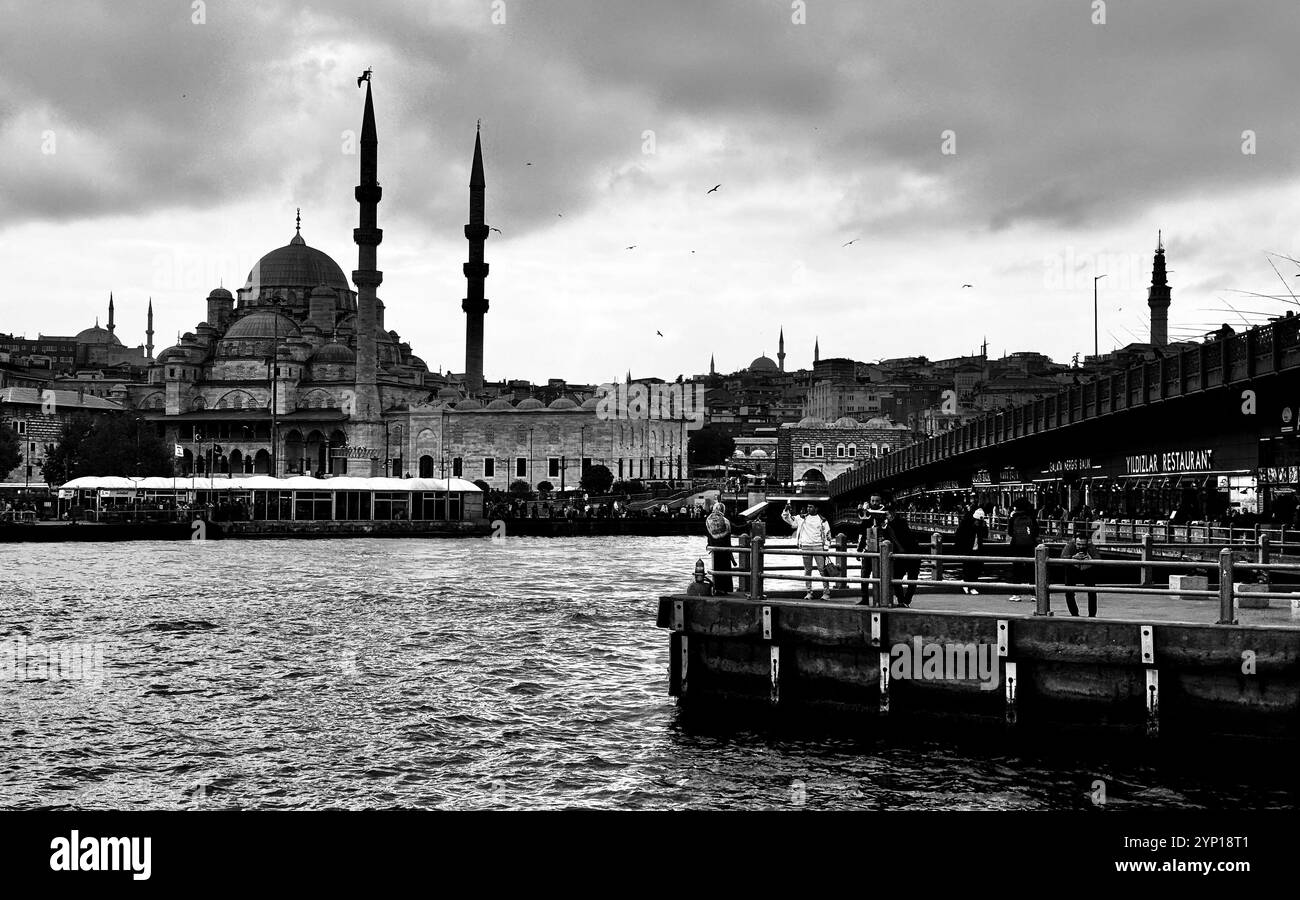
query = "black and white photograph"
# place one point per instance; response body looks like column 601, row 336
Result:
column 707, row 438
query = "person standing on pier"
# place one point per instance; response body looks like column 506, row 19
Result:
column 972, row 534
column 812, row 534
column 718, row 527
column 902, row 540
column 1023, row 528
column 1080, row 547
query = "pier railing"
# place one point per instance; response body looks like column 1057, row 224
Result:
column 759, row 561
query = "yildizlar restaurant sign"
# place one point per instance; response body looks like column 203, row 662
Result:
column 1171, row 461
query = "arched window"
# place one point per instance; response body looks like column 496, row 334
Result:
column 839, row 451
column 819, row 451
column 884, row 450
column 853, row 449
column 807, row 451
column 199, row 403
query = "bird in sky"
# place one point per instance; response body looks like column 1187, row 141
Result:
column 712, row 189
column 528, row 164
column 497, row 230
column 660, row 333
column 854, row 241
column 967, row 285
column 633, row 247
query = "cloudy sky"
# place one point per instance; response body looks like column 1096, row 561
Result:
column 156, row 149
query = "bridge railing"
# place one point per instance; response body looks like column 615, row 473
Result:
column 761, row 562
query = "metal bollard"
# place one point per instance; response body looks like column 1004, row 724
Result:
column 756, row 561
column 1146, row 557
column 1226, row 611
column 742, row 564
column 1041, row 594
column 885, row 589
column 936, row 548
column 1261, row 575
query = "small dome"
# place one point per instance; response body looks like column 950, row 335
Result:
column 590, row 403
column 466, row 405
column 760, row 453
column 168, row 354
column 263, row 323
column 562, row 403
column 764, row 364
column 739, row 454
column 220, row 293
column 335, row 352
column 530, row 403
column 810, row 422
column 97, row 335
column 417, row 363
column 846, row 422
column 878, row 422
column 500, row 403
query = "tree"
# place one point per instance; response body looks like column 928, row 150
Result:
column 10, row 455
column 597, row 479
column 709, row 447
column 520, row 488
column 483, row 486
column 632, row 486
column 107, row 445
column 545, row 487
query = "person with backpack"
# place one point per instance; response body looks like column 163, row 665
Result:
column 812, row 534
column 1023, row 529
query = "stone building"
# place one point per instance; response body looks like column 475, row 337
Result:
column 815, row 450
column 37, row 417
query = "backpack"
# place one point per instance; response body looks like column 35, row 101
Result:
column 1022, row 532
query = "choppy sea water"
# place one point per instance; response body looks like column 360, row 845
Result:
column 459, row 674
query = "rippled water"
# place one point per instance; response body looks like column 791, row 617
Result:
column 457, row 674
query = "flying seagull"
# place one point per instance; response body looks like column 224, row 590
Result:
column 633, row 247
column 528, row 164
column 660, row 333
column 712, row 189
column 364, row 76
column 967, row 285
column 854, row 241
column 497, row 230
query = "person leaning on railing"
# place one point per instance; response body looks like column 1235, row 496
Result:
column 718, row 528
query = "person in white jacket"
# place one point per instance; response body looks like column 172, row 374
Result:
column 812, row 534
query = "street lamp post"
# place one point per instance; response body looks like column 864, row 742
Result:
column 1096, row 351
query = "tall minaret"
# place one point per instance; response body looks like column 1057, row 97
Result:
column 475, row 304
column 366, row 411
column 780, row 352
column 713, row 370
column 1158, row 297
column 148, row 332
column 111, row 326
column 817, row 353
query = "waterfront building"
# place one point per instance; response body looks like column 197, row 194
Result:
column 37, row 417
column 816, row 450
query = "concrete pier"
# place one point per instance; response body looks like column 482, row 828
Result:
column 1150, row 663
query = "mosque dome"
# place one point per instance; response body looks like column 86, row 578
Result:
column 97, row 335
column 335, row 352
column 590, row 403
column 295, row 265
column 764, row 364
column 469, row 404
column 810, row 422
column 846, row 422
column 562, row 403
column 500, row 403
column 220, row 293
column 263, row 323
column 530, row 403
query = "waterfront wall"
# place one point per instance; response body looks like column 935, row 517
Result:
column 1179, row 677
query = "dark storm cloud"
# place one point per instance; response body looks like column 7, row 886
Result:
column 1056, row 119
